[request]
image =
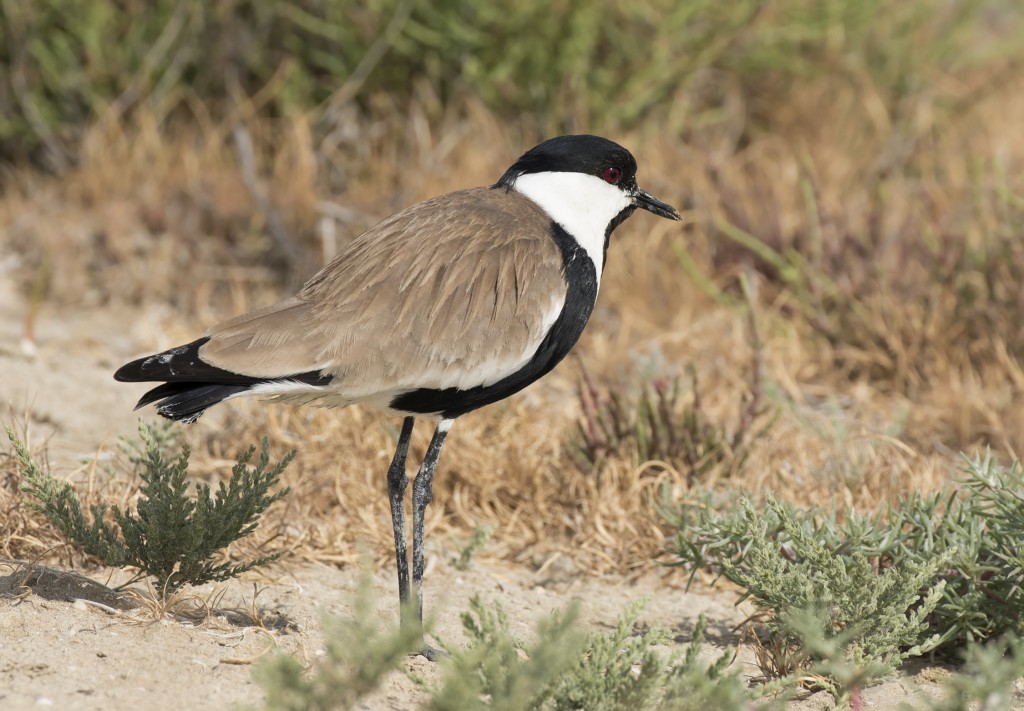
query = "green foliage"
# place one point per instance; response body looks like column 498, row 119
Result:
column 803, row 584
column 566, row 670
column 963, row 547
column 493, row 666
column 603, row 678
column 823, row 658
column 170, row 536
column 562, row 669
column 623, row 670
column 615, row 63
column 986, row 681
column 358, row 656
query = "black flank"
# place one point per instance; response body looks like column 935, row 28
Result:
column 190, row 385
column 581, row 277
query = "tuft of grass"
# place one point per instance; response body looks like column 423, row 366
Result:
column 658, row 426
column 899, row 316
column 170, row 536
column 959, row 551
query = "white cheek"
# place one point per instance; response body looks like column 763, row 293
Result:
column 582, row 204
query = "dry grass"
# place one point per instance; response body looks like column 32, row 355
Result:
column 875, row 397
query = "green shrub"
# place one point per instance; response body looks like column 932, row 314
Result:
column 881, row 614
column 496, row 665
column 970, row 538
column 170, row 536
column 623, row 670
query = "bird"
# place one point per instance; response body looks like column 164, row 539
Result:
column 443, row 308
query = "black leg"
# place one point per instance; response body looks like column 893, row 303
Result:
column 422, row 492
column 397, row 482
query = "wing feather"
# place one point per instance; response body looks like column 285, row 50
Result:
column 449, row 289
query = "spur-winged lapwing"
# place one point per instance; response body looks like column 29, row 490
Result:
column 447, row 306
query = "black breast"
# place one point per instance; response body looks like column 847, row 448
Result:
column 581, row 295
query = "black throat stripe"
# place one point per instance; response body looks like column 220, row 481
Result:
column 581, row 295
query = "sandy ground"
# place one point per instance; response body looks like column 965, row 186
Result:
column 69, row 654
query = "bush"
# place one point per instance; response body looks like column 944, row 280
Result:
column 963, row 545
column 170, row 536
column 882, row 616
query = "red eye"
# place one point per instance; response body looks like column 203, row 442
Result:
column 611, row 175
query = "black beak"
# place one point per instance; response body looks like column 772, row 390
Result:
column 653, row 204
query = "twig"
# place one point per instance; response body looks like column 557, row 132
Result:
column 97, row 605
column 282, row 241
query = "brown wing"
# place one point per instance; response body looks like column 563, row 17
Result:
column 454, row 291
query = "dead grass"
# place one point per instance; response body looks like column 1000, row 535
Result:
column 877, row 387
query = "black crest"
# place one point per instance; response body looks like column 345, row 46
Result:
column 573, row 154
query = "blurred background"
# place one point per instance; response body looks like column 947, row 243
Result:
column 840, row 313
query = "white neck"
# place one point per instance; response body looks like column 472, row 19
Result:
column 582, row 204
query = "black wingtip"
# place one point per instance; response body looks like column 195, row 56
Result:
column 181, row 363
column 190, row 385
column 130, row 372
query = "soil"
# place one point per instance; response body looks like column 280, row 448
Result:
column 71, row 643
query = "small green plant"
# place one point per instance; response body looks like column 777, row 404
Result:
column 603, row 677
column 481, row 534
column 500, row 667
column 358, row 655
column 170, row 536
column 624, row 670
column 824, row 659
column 975, row 529
column 986, row 681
